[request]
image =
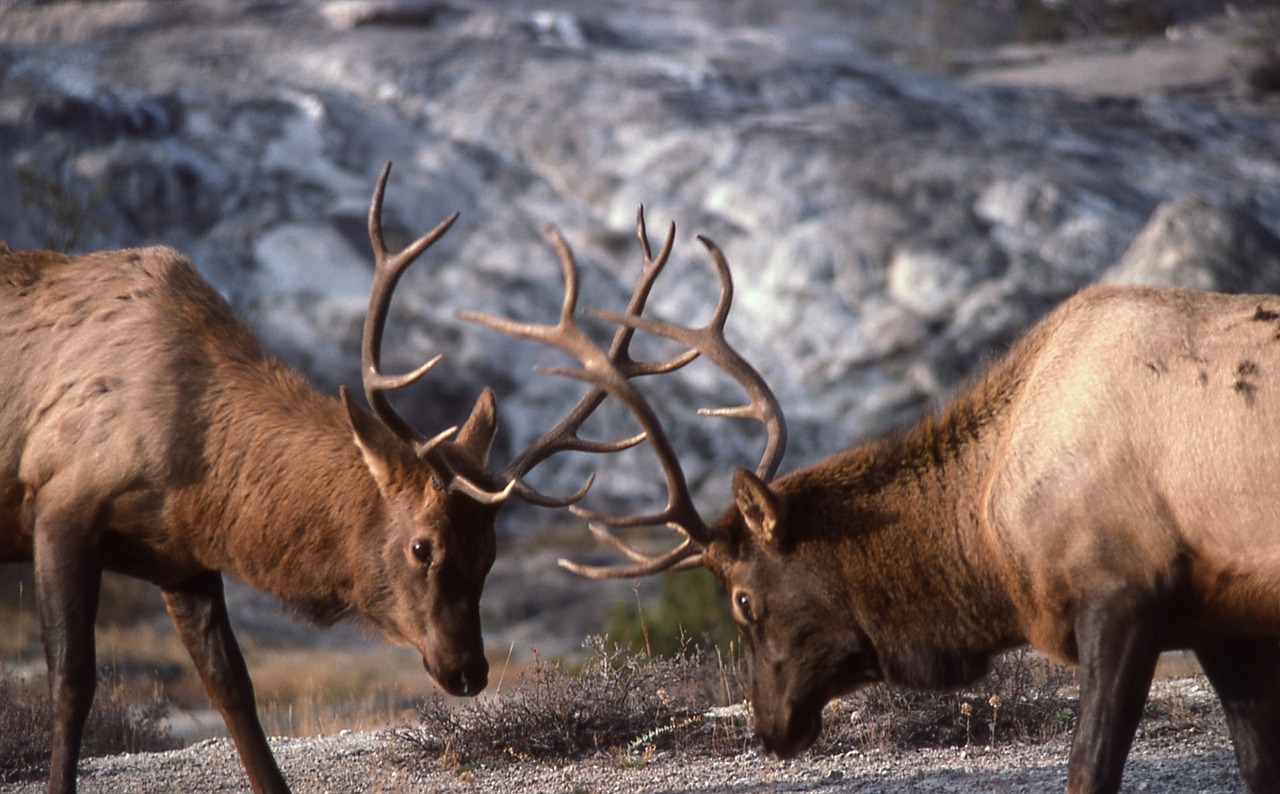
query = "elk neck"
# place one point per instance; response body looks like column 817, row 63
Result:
column 906, row 519
column 283, row 500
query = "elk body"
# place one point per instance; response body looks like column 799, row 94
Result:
column 147, row 432
column 1105, row 492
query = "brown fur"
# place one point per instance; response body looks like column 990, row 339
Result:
column 147, row 432
column 1105, row 492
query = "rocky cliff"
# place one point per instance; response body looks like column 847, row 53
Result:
column 890, row 228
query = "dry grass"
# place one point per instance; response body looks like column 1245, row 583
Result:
column 627, row 706
column 123, row 720
column 130, row 704
column 308, row 692
column 300, row 691
column 1025, row 699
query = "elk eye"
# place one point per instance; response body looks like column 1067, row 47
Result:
column 742, row 601
column 422, row 551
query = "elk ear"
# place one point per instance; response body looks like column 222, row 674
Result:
column 377, row 444
column 760, row 507
column 476, row 436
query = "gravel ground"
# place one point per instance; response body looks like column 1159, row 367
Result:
column 356, row 762
column 1166, row 757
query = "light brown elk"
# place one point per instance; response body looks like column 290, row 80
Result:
column 147, row 432
column 1105, row 492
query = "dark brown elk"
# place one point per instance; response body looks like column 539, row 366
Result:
column 1104, row 493
column 147, row 432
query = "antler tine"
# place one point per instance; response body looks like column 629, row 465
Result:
column 608, row 374
column 387, row 271
column 565, row 335
column 686, row 555
column 652, row 268
column 710, row 341
column 564, row 436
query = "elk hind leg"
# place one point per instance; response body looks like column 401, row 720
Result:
column 1118, row 643
column 1246, row 676
column 199, row 612
column 68, row 577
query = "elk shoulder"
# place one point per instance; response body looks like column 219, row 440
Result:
column 1139, row 449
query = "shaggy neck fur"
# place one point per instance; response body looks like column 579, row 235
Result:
column 906, row 517
column 301, row 497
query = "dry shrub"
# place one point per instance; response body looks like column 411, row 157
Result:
column 1024, row 698
column 616, row 703
column 631, row 706
column 117, row 724
column 1173, row 712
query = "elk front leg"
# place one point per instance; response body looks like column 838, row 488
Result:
column 1118, row 640
column 199, row 611
column 68, row 576
column 1246, row 676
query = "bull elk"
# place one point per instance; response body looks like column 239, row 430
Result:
column 1105, row 492
column 147, row 432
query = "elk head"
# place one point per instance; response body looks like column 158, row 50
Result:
column 799, row 627
column 439, row 504
column 439, row 500
column 780, row 599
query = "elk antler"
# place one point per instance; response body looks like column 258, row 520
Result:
column 609, row 374
column 566, row 335
column 387, row 271
column 709, row 341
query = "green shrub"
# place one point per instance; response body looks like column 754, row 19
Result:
column 1043, row 21
column 1264, row 76
column 59, row 213
column 691, row 607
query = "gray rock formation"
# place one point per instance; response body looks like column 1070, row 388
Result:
column 1191, row 243
column 890, row 230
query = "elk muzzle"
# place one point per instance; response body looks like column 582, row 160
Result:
column 467, row 677
column 787, row 729
column 788, row 713
column 454, row 651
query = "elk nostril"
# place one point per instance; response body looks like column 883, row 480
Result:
column 475, row 679
column 467, row 681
